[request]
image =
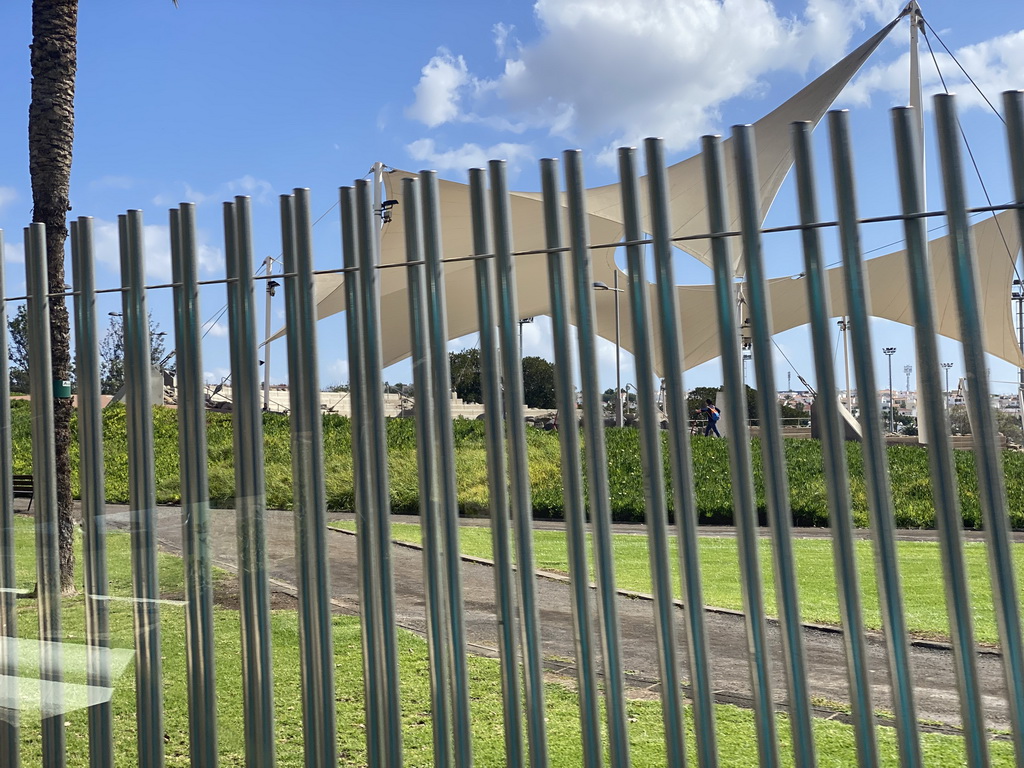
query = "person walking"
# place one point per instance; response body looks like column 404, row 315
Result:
column 713, row 415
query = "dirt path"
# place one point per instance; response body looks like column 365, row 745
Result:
column 933, row 668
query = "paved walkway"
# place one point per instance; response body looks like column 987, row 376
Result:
column 933, row 668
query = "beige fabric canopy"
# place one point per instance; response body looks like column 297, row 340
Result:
column 688, row 208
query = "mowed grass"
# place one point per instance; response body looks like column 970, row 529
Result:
column 920, row 568
column 735, row 727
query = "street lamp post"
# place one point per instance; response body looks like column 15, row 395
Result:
column 889, row 352
column 599, row 286
column 272, row 286
column 946, row 367
column 909, row 369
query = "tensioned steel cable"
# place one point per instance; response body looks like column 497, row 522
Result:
column 967, row 144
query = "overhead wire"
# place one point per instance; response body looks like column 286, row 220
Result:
column 967, row 144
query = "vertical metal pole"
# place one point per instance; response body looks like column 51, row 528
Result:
column 876, row 465
column 572, row 475
column 834, row 454
column 430, row 512
column 948, row 519
column 250, row 497
column 597, row 462
column 91, row 473
column 44, row 471
column 674, row 390
column 369, row 588
column 892, row 401
column 776, row 486
column 519, row 466
column 376, row 436
column 9, row 730
column 1013, row 109
column 916, row 102
column 745, row 510
column 142, row 494
column 316, row 638
column 268, row 268
column 497, row 468
column 916, row 99
column 195, row 492
column 987, row 458
column 846, row 363
column 653, row 467
column 618, row 352
column 437, row 330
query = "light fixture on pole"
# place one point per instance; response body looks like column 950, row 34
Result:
column 946, row 367
column 522, row 322
column 1017, row 295
column 889, row 352
column 844, row 325
column 599, row 286
column 909, row 369
column 272, row 286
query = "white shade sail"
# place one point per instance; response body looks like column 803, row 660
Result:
column 997, row 242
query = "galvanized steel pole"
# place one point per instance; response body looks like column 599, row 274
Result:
column 773, row 456
column 250, row 500
column 497, row 469
column 876, row 465
column 93, row 489
column 195, row 491
column 987, row 457
column 142, row 493
column 744, row 508
column 948, row 519
column 9, row 727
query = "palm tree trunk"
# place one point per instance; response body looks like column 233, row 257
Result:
column 51, row 132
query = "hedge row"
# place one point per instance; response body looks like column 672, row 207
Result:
column 712, row 479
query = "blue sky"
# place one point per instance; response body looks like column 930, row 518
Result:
column 209, row 100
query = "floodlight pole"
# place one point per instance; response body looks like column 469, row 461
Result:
column 843, row 326
column 913, row 10
column 268, row 267
column 889, row 352
column 618, row 353
column 599, row 286
column 1018, row 296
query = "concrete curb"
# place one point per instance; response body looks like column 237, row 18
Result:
column 932, row 645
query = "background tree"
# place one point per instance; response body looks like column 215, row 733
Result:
column 465, row 372
column 51, row 132
column 112, row 354
column 17, row 350
column 538, row 383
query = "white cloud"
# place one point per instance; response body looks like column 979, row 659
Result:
column 260, row 190
column 438, row 91
column 994, row 64
column 14, row 253
column 156, row 248
column 217, row 330
column 112, row 182
column 618, row 71
column 217, row 375
column 337, row 372
column 504, row 39
column 7, row 195
column 467, row 156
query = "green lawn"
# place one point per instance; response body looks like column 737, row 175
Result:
column 921, row 570
column 735, row 726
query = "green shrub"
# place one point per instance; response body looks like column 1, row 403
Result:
column 712, row 477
